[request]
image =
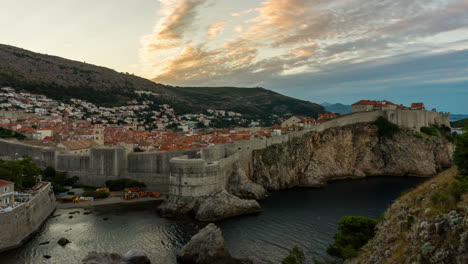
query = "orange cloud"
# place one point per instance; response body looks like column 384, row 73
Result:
column 215, row 29
column 171, row 28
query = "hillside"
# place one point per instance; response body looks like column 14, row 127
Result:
column 460, row 123
column 425, row 225
column 63, row 79
column 337, row 108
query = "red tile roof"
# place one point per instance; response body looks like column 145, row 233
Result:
column 5, row 183
column 374, row 103
column 417, row 105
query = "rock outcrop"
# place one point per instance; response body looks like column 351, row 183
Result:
column 131, row 257
column 207, row 247
column 415, row 229
column 239, row 185
column 224, row 205
column 218, row 206
column 347, row 152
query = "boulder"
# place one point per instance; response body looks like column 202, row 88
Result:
column 207, row 247
column 222, row 205
column 135, row 257
column 176, row 207
column 101, row 258
column 241, row 186
column 63, row 241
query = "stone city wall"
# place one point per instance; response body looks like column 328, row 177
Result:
column 154, row 168
column 17, row 225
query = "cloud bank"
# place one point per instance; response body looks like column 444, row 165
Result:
column 273, row 40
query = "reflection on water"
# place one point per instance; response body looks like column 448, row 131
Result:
column 303, row 217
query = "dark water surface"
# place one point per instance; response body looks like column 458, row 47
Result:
column 303, row 217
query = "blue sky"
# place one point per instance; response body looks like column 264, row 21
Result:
column 318, row 50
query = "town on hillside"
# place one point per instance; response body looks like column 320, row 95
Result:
column 141, row 126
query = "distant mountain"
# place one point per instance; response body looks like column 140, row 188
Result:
column 456, row 117
column 337, row 108
column 62, row 79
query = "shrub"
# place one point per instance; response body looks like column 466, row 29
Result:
column 295, row 256
column 461, row 153
column 431, row 131
column 386, row 129
column 58, row 188
column 95, row 195
column 354, row 232
column 120, row 184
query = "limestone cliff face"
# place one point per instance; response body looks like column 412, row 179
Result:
column 347, row 152
column 416, row 230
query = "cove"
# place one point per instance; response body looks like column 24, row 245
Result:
column 306, row 217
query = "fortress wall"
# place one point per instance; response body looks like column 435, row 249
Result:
column 415, row 119
column 155, row 162
column 155, row 182
column 18, row 224
column 109, row 161
column 71, row 162
column 213, row 153
column 44, row 156
column 194, row 177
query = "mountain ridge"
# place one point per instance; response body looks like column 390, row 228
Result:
column 64, row 79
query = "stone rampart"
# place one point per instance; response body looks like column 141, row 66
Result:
column 42, row 155
column 153, row 168
column 195, row 177
column 17, row 225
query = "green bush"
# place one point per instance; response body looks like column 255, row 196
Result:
column 58, row 188
column 295, row 256
column 354, row 232
column 120, row 184
column 386, row 129
column 96, row 195
column 461, row 153
column 431, row 131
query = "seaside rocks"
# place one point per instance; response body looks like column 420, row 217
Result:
column 224, row 205
column 63, row 241
column 131, row 257
column 207, row 247
column 175, row 206
column 218, row 206
column 241, row 186
column 135, row 257
column 101, row 258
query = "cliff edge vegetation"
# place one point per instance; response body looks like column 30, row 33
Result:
column 427, row 224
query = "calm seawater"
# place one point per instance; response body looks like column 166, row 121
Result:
column 305, row 217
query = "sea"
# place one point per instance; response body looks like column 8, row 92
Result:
column 303, row 217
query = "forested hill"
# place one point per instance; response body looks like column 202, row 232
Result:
column 63, row 79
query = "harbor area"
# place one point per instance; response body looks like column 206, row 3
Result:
column 79, row 197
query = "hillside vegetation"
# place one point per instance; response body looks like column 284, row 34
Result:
column 460, row 123
column 62, row 79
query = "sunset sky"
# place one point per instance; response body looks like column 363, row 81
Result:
column 317, row 50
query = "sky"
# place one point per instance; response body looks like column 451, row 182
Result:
column 317, row 50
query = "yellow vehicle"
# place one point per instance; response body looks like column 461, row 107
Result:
column 105, row 190
column 128, row 196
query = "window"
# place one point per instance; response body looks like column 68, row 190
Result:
column 5, row 189
column 7, row 200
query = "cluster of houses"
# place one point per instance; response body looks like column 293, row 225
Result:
column 78, row 136
column 370, row 105
column 145, row 114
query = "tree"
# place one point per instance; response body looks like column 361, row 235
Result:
column 295, row 256
column 354, row 232
column 461, row 152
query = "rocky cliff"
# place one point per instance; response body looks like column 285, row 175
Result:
column 346, row 152
column 425, row 225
